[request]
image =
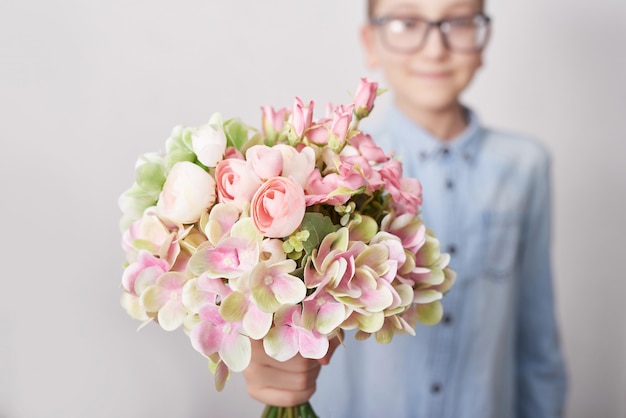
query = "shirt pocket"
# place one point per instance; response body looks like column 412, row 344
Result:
column 501, row 232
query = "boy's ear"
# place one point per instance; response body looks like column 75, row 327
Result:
column 367, row 38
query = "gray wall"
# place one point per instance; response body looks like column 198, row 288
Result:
column 86, row 86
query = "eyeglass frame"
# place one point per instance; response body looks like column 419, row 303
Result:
column 439, row 24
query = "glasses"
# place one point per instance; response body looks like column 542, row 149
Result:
column 408, row 34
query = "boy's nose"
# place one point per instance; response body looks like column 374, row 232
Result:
column 434, row 44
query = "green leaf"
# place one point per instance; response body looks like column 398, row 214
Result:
column 236, row 133
column 318, row 226
column 150, row 176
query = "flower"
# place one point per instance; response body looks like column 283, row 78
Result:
column 236, row 182
column 209, row 144
column 364, row 98
column 278, row 207
column 288, row 234
column 188, row 192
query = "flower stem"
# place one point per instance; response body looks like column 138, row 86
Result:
column 301, row 411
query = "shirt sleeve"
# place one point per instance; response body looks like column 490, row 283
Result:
column 541, row 375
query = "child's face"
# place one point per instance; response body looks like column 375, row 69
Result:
column 430, row 78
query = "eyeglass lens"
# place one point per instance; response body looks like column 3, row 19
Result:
column 408, row 34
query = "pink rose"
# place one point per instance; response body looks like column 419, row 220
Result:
column 236, row 182
column 232, row 152
column 265, row 161
column 278, row 207
column 364, row 97
column 188, row 192
column 297, row 164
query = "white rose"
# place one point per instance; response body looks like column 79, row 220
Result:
column 209, row 144
column 188, row 192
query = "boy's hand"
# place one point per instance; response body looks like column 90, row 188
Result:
column 283, row 383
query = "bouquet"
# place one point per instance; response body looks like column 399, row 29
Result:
column 285, row 234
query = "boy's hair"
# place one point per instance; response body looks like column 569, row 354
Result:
column 370, row 8
column 371, row 5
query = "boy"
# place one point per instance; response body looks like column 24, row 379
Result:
column 487, row 196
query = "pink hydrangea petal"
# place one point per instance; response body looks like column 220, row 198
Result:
column 288, row 289
column 264, row 298
column 281, row 342
column 256, row 323
column 426, row 296
column 222, row 373
column 376, row 300
column 329, row 317
column 235, row 350
column 429, row 314
column 312, row 345
column 371, row 322
column 132, row 306
column 153, row 298
column 206, row 338
column 171, row 315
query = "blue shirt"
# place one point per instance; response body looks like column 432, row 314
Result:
column 496, row 352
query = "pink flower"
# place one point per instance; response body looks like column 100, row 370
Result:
column 318, row 134
column 273, row 120
column 409, row 228
column 368, row 148
column 405, row 192
column 364, row 97
column 322, row 189
column 289, row 337
column 215, row 335
column 323, row 312
column 297, row 164
column 278, row 207
column 355, row 172
column 342, row 117
column 165, row 297
column 232, row 256
column 266, row 162
column 232, row 152
column 143, row 272
column 159, row 236
column 302, row 116
column 188, row 192
column 236, row 182
column 274, row 286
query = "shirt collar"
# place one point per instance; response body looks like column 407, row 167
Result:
column 414, row 139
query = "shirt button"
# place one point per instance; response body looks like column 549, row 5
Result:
column 445, row 151
column 449, row 184
column 447, row 319
column 451, row 249
column 435, row 388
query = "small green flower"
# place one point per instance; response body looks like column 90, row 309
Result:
column 294, row 246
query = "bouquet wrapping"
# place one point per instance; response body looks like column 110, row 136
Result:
column 285, row 234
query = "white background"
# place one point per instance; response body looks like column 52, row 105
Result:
column 87, row 86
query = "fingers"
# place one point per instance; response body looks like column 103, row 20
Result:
column 277, row 383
